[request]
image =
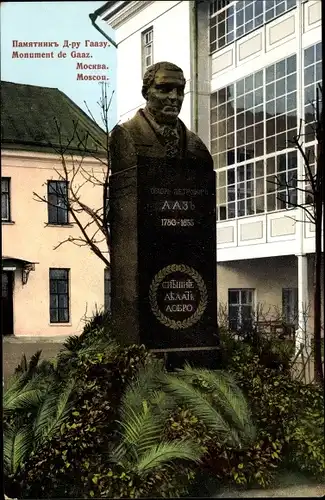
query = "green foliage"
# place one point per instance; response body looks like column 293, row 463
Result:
column 241, row 465
column 98, row 326
column 18, row 442
column 35, row 406
column 129, row 361
column 182, row 422
column 143, row 454
column 220, row 389
column 272, row 352
column 289, row 415
column 107, row 421
column 305, row 435
column 95, row 337
column 107, row 430
column 252, row 466
column 81, row 442
column 289, row 418
column 148, row 443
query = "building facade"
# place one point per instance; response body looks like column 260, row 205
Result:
column 48, row 289
column 252, row 70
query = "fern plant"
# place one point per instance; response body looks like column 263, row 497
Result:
column 141, row 458
column 215, row 398
column 144, row 454
column 34, row 409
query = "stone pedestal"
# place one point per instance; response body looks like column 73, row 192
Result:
column 124, row 256
column 164, row 258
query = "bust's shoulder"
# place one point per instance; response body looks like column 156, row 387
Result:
column 121, row 140
column 196, row 146
column 129, row 125
column 130, row 130
column 122, row 148
column 195, row 141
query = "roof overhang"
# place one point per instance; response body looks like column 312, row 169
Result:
column 13, row 263
column 109, row 9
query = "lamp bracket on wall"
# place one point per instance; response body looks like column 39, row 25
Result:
column 26, row 269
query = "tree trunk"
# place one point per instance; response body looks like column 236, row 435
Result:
column 319, row 208
column 318, row 367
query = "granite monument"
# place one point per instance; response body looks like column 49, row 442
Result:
column 163, row 227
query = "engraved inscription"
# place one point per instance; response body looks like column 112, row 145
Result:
column 178, row 296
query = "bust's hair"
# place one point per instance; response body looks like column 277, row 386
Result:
column 150, row 74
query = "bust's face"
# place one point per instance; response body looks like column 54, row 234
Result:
column 166, row 95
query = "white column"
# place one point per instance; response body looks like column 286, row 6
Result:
column 302, row 334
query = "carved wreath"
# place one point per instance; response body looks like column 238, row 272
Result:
column 171, row 323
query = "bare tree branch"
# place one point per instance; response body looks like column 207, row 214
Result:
column 91, row 223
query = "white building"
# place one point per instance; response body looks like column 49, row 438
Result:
column 251, row 69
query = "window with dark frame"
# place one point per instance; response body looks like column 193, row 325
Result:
column 290, row 306
column 254, row 172
column 5, row 199
column 59, row 295
column 147, row 49
column 57, row 198
column 312, row 81
column 240, row 308
column 107, row 290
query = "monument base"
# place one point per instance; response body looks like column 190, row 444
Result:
column 209, row 358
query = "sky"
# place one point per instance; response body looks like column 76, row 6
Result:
column 58, row 22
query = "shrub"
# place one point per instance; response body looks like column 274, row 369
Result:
column 126, row 420
column 160, row 393
column 288, row 413
column 98, row 326
column 59, row 469
column 305, row 435
column 96, row 332
column 109, row 435
column 251, row 466
column 248, row 464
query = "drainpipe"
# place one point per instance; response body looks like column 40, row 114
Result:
column 195, row 68
column 93, row 18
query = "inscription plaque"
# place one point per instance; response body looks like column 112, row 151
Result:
column 176, row 253
column 178, row 296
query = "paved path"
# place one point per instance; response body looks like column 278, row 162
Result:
column 288, row 491
column 284, row 484
column 14, row 347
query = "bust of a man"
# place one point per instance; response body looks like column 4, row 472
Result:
column 156, row 130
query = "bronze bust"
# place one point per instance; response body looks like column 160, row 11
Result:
column 156, row 130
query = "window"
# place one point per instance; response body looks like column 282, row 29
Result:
column 290, row 306
column 5, row 199
column 312, row 81
column 240, row 308
column 230, row 20
column 147, row 49
column 59, row 296
column 311, row 154
column 253, row 122
column 57, row 196
column 107, row 290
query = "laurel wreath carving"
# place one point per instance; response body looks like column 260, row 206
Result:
column 171, row 323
